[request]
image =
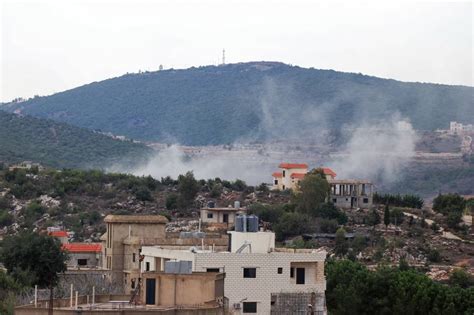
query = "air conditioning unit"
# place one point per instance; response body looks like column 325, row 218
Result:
column 236, row 306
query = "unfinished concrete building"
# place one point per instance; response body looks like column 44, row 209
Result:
column 351, row 193
column 127, row 234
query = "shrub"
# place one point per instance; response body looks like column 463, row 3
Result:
column 433, row 255
column 292, row 224
column 396, row 216
column 172, row 201
column 448, row 203
column 328, row 226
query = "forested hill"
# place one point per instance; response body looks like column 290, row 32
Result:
column 247, row 101
column 62, row 146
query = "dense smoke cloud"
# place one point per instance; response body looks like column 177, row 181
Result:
column 173, row 161
column 377, row 151
column 372, row 148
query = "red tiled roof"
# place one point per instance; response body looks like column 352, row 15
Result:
column 328, row 171
column 292, row 165
column 277, row 174
column 58, row 233
column 82, row 247
column 298, row 175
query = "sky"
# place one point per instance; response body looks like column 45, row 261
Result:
column 53, row 45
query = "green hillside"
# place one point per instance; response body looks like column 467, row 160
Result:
column 62, row 146
column 247, row 101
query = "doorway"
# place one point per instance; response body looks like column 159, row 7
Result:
column 150, row 291
column 300, row 276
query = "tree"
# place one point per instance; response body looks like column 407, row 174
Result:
column 292, row 224
column 448, row 203
column 313, row 191
column 386, row 216
column 396, row 216
column 342, row 245
column 267, row 213
column 330, row 211
column 328, row 226
column 373, row 218
column 41, row 257
column 172, row 201
column 453, row 219
column 143, row 194
column 188, row 187
column 461, row 278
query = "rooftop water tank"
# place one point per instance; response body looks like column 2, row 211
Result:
column 252, row 223
column 239, row 223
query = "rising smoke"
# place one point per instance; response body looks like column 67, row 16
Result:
column 375, row 149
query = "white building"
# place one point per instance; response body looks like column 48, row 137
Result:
column 459, row 128
column 222, row 215
column 290, row 175
column 259, row 278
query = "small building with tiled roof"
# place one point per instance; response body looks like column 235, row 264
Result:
column 63, row 236
column 83, row 255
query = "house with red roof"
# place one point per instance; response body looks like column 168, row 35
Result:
column 63, row 236
column 289, row 175
column 83, row 255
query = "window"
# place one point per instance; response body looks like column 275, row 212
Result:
column 250, row 272
column 212, row 270
column 250, row 307
column 134, row 257
column 283, row 173
column 210, row 215
column 147, row 266
column 366, row 200
column 280, row 271
column 276, row 182
column 292, row 272
column 133, row 284
column 82, row 262
column 334, row 200
column 283, row 187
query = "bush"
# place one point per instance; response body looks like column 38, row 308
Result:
column 292, row 224
column 238, row 185
column 448, row 203
column 216, row 191
column 328, row 226
column 461, row 278
column 396, row 216
column 433, row 255
column 143, row 194
column 330, row 211
column 267, row 213
column 453, row 219
column 6, row 219
column 172, row 202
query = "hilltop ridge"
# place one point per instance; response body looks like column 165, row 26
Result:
column 247, row 102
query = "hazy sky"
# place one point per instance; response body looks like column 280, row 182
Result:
column 51, row 46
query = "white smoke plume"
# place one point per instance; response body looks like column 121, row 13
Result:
column 173, row 161
column 377, row 151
